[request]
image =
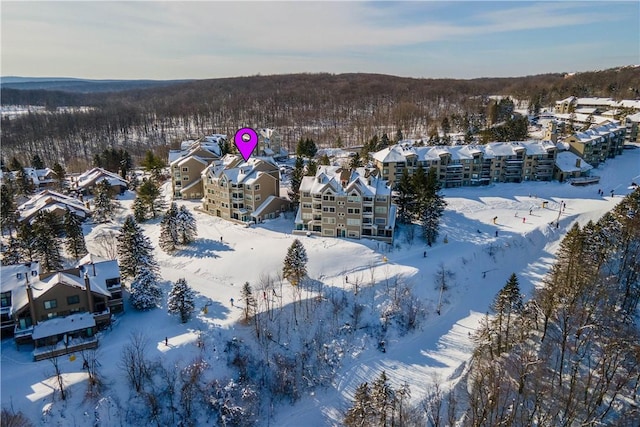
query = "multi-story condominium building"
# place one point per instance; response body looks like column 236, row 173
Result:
column 470, row 165
column 243, row 191
column 340, row 202
column 270, row 144
column 188, row 163
column 631, row 124
column 596, row 144
column 59, row 312
column 594, row 105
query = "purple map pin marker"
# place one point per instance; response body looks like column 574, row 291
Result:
column 246, row 140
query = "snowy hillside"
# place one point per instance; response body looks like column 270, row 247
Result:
column 344, row 302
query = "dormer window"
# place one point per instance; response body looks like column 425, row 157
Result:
column 19, row 276
column 34, row 273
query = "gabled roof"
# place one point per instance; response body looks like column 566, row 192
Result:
column 51, row 200
column 566, row 162
column 96, row 175
column 237, row 171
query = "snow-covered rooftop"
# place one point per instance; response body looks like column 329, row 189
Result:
column 566, row 161
column 62, row 325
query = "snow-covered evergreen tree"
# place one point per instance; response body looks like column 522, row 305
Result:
column 46, row 246
column 249, row 301
column 295, row 263
column 186, row 226
column 11, row 254
column 169, row 238
column 104, row 206
column 135, row 251
column 139, row 210
column 432, row 206
column 145, row 292
column 74, row 240
column 181, row 300
column 26, row 238
column 360, row 412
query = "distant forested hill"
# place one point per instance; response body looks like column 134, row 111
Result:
column 330, row 108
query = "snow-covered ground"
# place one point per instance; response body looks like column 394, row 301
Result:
column 226, row 255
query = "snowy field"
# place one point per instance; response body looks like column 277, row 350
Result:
column 226, row 255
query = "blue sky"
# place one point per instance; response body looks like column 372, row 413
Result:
column 179, row 40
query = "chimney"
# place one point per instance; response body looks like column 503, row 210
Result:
column 578, row 163
column 87, row 287
column 32, row 305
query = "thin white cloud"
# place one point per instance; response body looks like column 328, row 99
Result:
column 183, row 39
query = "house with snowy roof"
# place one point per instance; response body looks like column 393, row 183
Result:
column 568, row 166
column 41, row 178
column 85, row 182
column 341, row 202
column 53, row 202
column 243, row 191
column 188, row 163
column 59, row 312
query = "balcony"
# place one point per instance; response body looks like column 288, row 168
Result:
column 102, row 316
column 22, row 333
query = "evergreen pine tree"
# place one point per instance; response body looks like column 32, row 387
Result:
column 249, row 301
column 359, row 414
column 8, row 214
column 324, row 160
column 312, row 168
column 135, row 251
column 139, row 210
column 25, row 239
column 181, row 300
column 152, row 164
column 296, row 180
column 406, row 197
column 25, row 183
column 11, row 254
column 145, row 292
column 399, row 136
column 104, row 206
column 149, row 195
column 126, row 163
column 46, row 246
column 186, row 227
column 60, row 175
column 432, row 207
column 295, row 263
column 169, row 229
column 507, row 303
column 36, row 162
column 384, row 143
column 15, row 165
column 382, row 397
column 74, row 237
column 356, row 161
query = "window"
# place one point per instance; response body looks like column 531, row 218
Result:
column 380, row 221
column 353, row 221
column 258, row 197
column 34, row 273
column 73, row 299
column 340, row 202
column 306, row 194
column 5, row 299
column 341, row 214
column 328, row 209
column 329, row 220
column 352, row 211
column 52, row 303
column 185, row 169
column 306, row 215
column 328, row 232
column 381, row 209
column 256, row 187
column 381, row 198
column 353, row 198
column 185, row 178
column 328, row 198
column 18, row 276
column 306, row 206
